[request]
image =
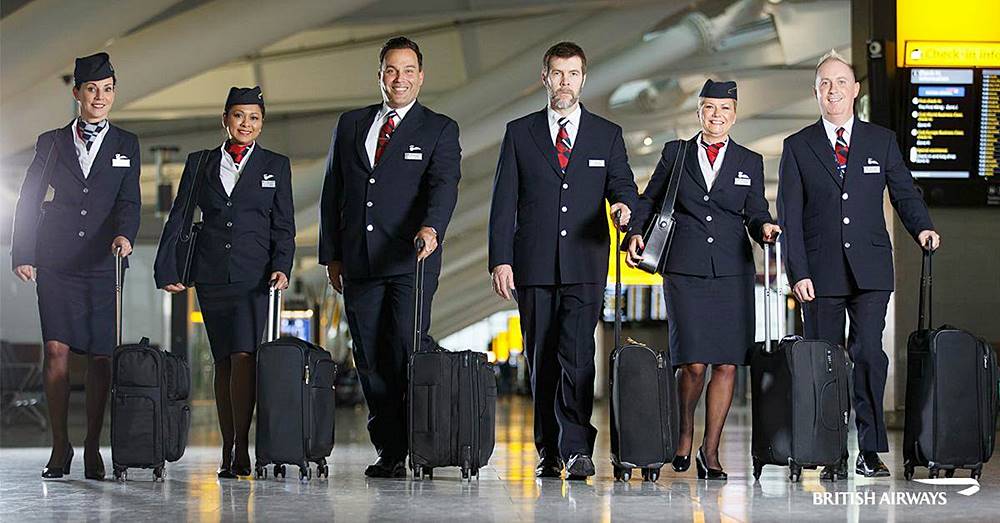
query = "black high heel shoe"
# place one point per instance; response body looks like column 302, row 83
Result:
column 96, row 473
column 682, row 463
column 226, row 468
column 706, row 473
column 239, row 469
column 58, row 472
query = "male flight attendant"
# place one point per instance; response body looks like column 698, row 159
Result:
column 391, row 179
column 548, row 249
column 830, row 185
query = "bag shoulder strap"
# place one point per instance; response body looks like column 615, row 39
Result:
column 670, row 199
column 189, row 203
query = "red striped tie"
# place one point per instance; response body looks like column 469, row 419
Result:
column 840, row 151
column 712, row 150
column 237, row 151
column 563, row 146
column 384, row 134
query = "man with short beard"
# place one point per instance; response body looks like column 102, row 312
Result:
column 831, row 182
column 548, row 249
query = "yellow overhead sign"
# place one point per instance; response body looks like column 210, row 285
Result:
column 953, row 33
column 952, row 54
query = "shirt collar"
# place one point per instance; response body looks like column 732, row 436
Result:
column 225, row 153
column 574, row 117
column 400, row 113
column 724, row 142
column 831, row 129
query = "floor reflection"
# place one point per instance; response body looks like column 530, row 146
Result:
column 506, row 491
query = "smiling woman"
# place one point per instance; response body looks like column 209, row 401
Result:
column 246, row 244
column 66, row 245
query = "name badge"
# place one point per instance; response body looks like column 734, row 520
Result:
column 413, row 156
column 595, row 163
column 872, row 169
column 121, row 160
column 267, row 184
column 742, row 179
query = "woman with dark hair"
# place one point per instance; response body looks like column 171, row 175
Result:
column 709, row 272
column 67, row 246
column 246, row 244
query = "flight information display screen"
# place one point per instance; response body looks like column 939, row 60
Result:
column 989, row 125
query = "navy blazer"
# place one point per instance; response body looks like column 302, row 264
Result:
column 415, row 184
column 710, row 235
column 245, row 236
column 834, row 229
column 553, row 228
column 74, row 231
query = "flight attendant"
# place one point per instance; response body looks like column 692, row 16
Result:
column 246, row 244
column 709, row 271
column 67, row 247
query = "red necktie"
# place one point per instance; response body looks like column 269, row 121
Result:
column 840, row 151
column 712, row 150
column 237, row 151
column 384, row 134
column 563, row 146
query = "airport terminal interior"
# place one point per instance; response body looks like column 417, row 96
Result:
column 928, row 70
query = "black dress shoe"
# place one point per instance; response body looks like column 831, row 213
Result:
column 97, row 471
column 870, row 465
column 387, row 468
column 238, row 468
column 706, row 473
column 61, row 470
column 580, row 466
column 835, row 472
column 549, row 468
column 682, row 463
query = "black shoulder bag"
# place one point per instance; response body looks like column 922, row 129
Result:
column 187, row 243
column 656, row 239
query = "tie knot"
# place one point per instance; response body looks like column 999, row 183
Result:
column 391, row 117
column 840, row 132
column 715, row 146
column 563, row 121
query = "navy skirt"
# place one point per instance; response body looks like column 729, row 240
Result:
column 78, row 309
column 235, row 315
column 711, row 318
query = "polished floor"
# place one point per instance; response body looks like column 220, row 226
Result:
column 506, row 490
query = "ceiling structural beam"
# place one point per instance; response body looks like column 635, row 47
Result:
column 40, row 40
column 170, row 51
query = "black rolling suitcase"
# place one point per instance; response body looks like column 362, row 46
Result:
column 452, row 399
column 644, row 409
column 800, row 396
column 951, row 395
column 295, row 402
column 150, row 415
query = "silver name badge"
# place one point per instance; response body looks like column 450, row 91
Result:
column 121, row 160
column 413, row 156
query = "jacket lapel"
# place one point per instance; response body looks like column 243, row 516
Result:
column 251, row 170
column 361, row 128
column 730, row 162
column 407, row 126
column 820, row 146
column 543, row 140
column 691, row 164
column 856, row 152
column 109, row 147
column 584, row 139
column 212, row 173
column 67, row 151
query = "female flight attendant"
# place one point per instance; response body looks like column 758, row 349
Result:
column 67, row 247
column 246, row 244
column 709, row 271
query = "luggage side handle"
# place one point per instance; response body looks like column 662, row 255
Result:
column 273, row 314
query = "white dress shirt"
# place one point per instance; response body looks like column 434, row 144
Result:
column 371, row 141
column 708, row 170
column 571, row 127
column 831, row 132
column 85, row 157
column 229, row 171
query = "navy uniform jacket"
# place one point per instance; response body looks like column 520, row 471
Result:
column 74, row 231
column 245, row 236
column 835, row 229
column 369, row 217
column 553, row 228
column 710, row 235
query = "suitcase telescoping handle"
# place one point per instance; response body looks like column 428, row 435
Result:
column 418, row 297
column 119, row 283
column 618, row 281
column 924, row 319
column 777, row 308
column 273, row 314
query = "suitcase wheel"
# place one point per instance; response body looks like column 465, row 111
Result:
column 466, row 474
column 323, row 471
column 279, row 471
column 977, row 472
column 158, row 474
column 758, row 468
column 418, row 472
column 907, row 471
column 305, row 473
column 950, row 473
column 933, row 472
column 429, row 472
column 794, row 473
column 651, row 474
column 623, row 474
column 260, row 472
column 121, row 474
